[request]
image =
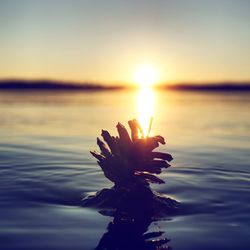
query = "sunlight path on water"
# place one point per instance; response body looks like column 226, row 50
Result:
column 145, row 108
column 146, row 76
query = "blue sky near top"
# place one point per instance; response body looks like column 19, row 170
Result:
column 105, row 41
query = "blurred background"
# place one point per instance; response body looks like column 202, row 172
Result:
column 105, row 41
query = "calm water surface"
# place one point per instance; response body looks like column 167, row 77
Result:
column 46, row 168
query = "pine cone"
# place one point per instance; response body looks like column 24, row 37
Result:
column 126, row 160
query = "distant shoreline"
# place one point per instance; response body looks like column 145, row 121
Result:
column 49, row 85
column 216, row 87
column 38, row 85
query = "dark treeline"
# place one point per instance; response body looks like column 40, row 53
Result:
column 60, row 85
column 52, row 85
column 231, row 86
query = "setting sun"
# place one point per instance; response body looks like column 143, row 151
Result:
column 146, row 75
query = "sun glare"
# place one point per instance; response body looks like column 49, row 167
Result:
column 146, row 75
column 145, row 107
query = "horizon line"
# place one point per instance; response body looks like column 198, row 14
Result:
column 48, row 84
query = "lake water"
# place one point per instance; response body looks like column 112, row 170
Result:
column 46, row 168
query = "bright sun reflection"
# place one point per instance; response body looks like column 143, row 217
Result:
column 145, row 76
column 145, row 106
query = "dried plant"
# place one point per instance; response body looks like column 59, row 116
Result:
column 125, row 160
column 131, row 164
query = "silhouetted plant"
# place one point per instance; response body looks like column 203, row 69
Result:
column 125, row 160
column 131, row 164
